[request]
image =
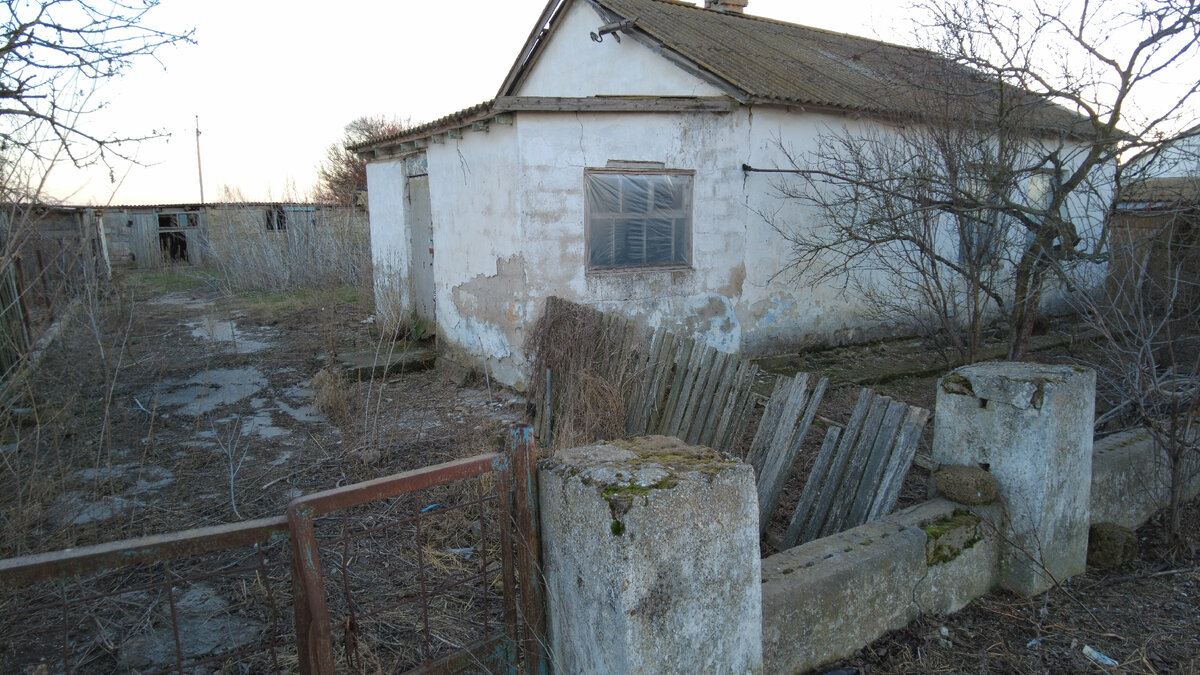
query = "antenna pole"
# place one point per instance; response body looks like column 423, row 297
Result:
column 199, row 169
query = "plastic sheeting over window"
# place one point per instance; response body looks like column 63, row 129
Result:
column 638, row 219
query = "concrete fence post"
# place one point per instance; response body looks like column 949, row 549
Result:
column 651, row 559
column 1031, row 426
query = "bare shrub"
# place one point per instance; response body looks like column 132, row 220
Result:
column 335, row 397
column 1148, row 321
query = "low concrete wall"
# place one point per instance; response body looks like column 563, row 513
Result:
column 825, row 599
column 1130, row 479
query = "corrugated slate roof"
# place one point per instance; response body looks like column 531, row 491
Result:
column 1159, row 191
column 776, row 62
column 772, row 62
column 451, row 121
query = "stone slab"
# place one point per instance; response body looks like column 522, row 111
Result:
column 369, row 365
column 826, row 599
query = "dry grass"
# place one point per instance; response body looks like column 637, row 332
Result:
column 589, row 384
column 93, row 411
column 322, row 248
column 335, row 397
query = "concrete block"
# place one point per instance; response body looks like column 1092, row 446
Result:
column 1030, row 425
column 1130, row 480
column 651, row 559
column 963, row 566
column 826, row 599
column 1111, row 545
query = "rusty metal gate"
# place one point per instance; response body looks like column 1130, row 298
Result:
column 433, row 570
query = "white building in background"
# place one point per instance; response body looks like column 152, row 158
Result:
column 619, row 166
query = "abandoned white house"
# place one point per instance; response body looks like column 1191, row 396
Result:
column 613, row 169
column 153, row 235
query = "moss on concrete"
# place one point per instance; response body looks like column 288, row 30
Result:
column 948, row 537
column 957, row 384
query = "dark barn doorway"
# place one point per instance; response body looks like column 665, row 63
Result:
column 172, row 238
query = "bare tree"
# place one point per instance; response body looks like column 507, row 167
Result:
column 343, row 174
column 1148, row 316
column 1000, row 185
column 53, row 53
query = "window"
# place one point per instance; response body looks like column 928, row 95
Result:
column 276, row 219
column 981, row 229
column 1042, row 185
column 638, row 218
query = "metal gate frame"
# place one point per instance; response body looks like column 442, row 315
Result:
column 520, row 647
column 517, row 495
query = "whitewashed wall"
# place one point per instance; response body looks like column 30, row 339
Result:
column 508, row 211
column 572, row 64
column 1179, row 159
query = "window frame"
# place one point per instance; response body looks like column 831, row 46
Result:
column 636, row 169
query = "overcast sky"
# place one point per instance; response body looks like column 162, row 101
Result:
column 274, row 82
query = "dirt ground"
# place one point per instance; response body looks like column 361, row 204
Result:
column 174, row 405
column 188, row 407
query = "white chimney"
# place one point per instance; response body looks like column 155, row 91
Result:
column 732, row 6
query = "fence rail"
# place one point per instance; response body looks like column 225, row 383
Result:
column 437, row 571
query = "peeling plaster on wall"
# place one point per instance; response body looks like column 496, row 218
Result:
column 737, row 277
column 773, row 314
column 493, row 313
column 708, row 316
column 724, row 330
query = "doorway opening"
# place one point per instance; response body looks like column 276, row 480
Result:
column 172, row 239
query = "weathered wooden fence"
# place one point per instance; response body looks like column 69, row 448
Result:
column 780, row 436
column 684, row 388
column 858, row 471
column 668, row 385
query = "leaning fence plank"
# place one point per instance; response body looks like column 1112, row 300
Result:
column 704, row 400
column 681, row 398
column 782, row 456
column 696, row 396
column 901, row 459
column 835, row 521
column 683, row 357
column 833, row 477
column 719, row 440
column 804, row 509
column 737, row 426
column 872, row 472
column 768, row 422
column 792, row 395
column 636, row 411
column 663, row 374
column 723, row 380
